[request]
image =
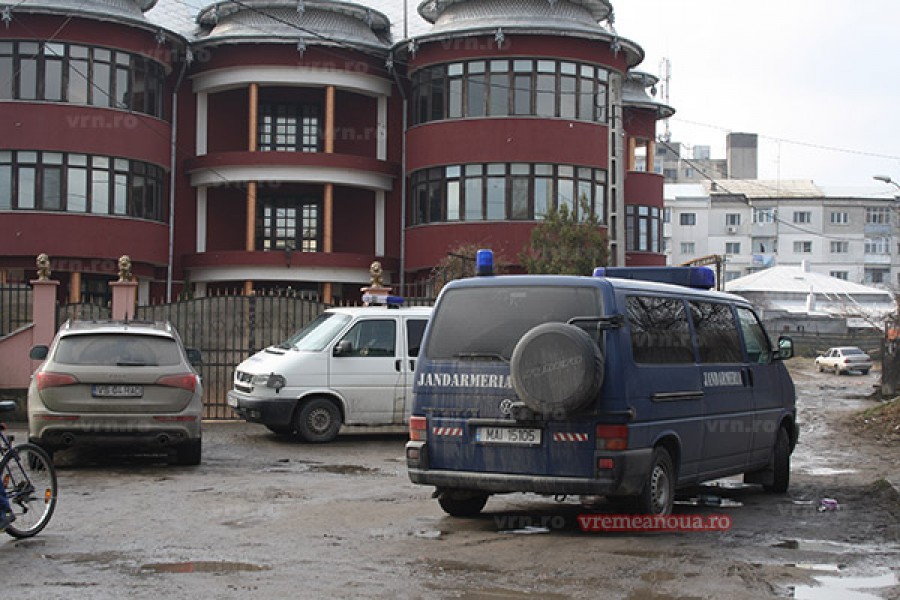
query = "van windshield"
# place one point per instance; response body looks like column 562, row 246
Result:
column 486, row 323
column 316, row 335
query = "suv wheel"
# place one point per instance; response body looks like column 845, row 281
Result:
column 189, row 453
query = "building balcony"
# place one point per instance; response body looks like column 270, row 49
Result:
column 223, row 168
column 283, row 265
column 644, row 188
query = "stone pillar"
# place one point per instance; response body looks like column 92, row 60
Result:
column 124, row 299
column 43, row 310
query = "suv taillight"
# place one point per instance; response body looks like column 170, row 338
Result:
column 418, row 427
column 46, row 379
column 185, row 381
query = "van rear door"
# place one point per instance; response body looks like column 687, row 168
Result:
column 463, row 385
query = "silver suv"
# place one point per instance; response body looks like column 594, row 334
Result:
column 117, row 383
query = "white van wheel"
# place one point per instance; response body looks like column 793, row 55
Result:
column 556, row 368
column 317, row 421
column 658, row 495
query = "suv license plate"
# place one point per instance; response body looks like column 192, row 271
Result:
column 117, row 391
column 508, row 435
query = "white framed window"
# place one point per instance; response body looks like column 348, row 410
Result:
column 879, row 245
column 733, row 219
column 732, row 247
column 687, row 247
column 802, row 247
column 839, row 274
column 878, row 216
column 688, row 219
column 840, row 218
column 840, row 247
column 802, row 216
column 763, row 215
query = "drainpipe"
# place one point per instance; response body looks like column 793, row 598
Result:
column 170, row 267
column 402, row 289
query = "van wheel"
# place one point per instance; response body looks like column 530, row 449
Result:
column 461, row 504
column 781, row 462
column 317, row 421
column 658, row 495
column 556, row 367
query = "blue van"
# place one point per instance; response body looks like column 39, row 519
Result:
column 597, row 386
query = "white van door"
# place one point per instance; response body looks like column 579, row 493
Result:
column 366, row 370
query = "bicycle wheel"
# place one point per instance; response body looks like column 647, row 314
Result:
column 30, row 484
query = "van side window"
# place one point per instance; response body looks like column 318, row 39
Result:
column 756, row 342
column 659, row 330
column 717, row 334
column 415, row 328
column 372, row 337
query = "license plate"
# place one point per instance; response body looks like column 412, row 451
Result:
column 117, row 391
column 508, row 435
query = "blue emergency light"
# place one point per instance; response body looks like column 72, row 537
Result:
column 702, row 278
column 484, row 263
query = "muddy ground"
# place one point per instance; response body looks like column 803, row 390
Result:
column 267, row 517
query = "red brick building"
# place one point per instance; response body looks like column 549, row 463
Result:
column 289, row 144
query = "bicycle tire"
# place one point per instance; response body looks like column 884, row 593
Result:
column 30, row 484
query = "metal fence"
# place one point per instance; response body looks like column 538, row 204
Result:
column 228, row 329
column 15, row 307
column 88, row 310
column 225, row 328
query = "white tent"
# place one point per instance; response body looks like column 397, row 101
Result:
column 796, row 290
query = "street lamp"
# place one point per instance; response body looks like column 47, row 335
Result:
column 886, row 179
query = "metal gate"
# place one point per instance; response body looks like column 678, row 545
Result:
column 228, row 329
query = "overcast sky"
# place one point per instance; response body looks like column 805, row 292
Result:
column 818, row 80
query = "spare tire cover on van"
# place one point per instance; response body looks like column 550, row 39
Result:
column 556, row 367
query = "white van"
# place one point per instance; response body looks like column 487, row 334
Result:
column 350, row 366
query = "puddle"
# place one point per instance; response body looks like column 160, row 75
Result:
column 815, row 566
column 836, row 547
column 342, row 469
column 203, row 566
column 502, row 593
column 845, row 588
column 827, row 471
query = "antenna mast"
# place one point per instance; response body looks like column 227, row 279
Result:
column 665, row 77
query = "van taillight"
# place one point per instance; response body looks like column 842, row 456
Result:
column 612, row 437
column 418, row 426
column 50, row 380
column 185, row 381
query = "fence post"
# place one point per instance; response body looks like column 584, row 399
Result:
column 43, row 310
column 124, row 299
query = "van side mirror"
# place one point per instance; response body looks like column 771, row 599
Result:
column 785, row 347
column 194, row 356
column 38, row 352
column 343, row 347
